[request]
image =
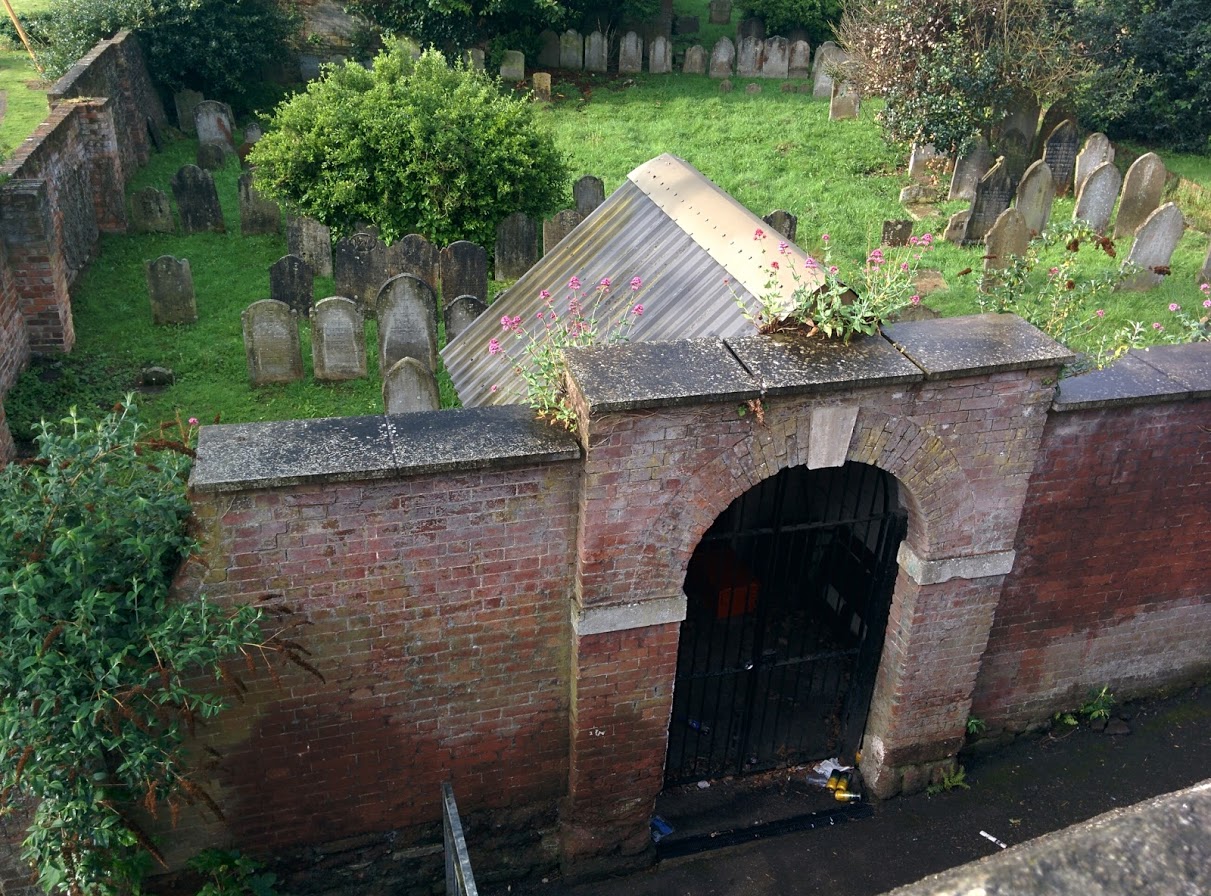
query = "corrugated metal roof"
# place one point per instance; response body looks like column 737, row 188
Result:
column 690, row 243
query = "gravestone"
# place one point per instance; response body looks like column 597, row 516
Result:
column 197, row 201
column 409, row 387
column 215, row 124
column 253, row 132
column 588, row 193
column 1204, row 273
column 956, row 227
column 556, row 228
column 660, row 56
column 257, row 214
column 292, row 281
column 210, row 156
column 474, row 59
column 338, row 340
column 725, row 86
column 1153, row 247
column 407, row 322
column 1095, row 202
column 775, row 58
column 897, row 233
column 516, row 246
column 695, row 61
column 311, row 241
column 630, row 54
column 828, row 58
column 784, row 223
column 464, row 271
column 750, row 27
column 1056, row 113
column 1014, row 149
column 272, row 346
column 417, row 256
column 513, row 66
column 1059, row 152
column 844, row 103
column 799, row 65
column 596, row 52
column 1097, row 149
column 720, row 12
column 993, row 193
column 1034, row 197
column 461, row 313
column 151, row 212
column 748, row 57
column 1142, row 189
column 186, row 102
column 969, row 168
column 571, row 50
column 1022, row 116
column 359, row 266
column 920, row 162
column 542, row 86
column 548, row 55
column 723, row 58
column 1006, row 239
column 170, row 287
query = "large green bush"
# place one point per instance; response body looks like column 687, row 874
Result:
column 410, row 146
column 817, row 17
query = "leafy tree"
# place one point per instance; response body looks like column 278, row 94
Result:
column 817, row 17
column 411, row 146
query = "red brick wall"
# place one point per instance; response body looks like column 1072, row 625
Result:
column 1113, row 578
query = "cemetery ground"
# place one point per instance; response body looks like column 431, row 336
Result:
column 771, row 150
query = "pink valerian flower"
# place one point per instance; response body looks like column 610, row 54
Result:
column 1207, row 303
column 545, row 295
column 832, row 269
column 783, row 246
column 637, row 310
column 494, row 347
column 824, row 237
column 1101, row 312
column 1206, row 287
column 1157, row 326
column 1173, row 306
column 774, row 265
column 915, row 300
column 811, row 264
column 636, row 282
column 605, row 283
column 758, row 234
column 875, row 257
column 193, row 421
column 904, row 266
column 494, row 387
column 574, row 283
column 1052, row 272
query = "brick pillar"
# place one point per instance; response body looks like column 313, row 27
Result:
column 106, row 176
column 39, row 268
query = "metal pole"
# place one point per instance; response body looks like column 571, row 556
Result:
column 24, row 37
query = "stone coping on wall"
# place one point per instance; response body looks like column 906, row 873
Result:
column 979, row 344
column 243, row 456
column 1148, row 376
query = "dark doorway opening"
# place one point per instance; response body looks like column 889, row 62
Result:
column 788, row 594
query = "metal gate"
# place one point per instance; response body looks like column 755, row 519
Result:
column 788, row 595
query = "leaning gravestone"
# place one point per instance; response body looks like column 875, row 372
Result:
column 1006, row 239
column 992, row 197
column 775, row 58
column 257, row 214
column 1097, row 149
column 1034, row 197
column 292, row 281
column 844, row 103
column 1095, row 202
column 720, row 12
column 630, row 54
column 151, row 212
column 555, row 229
column 660, row 56
column 588, row 193
column 828, row 57
column 464, row 271
column 311, row 241
column 197, row 201
column 407, row 322
column 548, row 55
column 784, row 223
column 186, row 102
column 409, row 387
column 1014, row 149
column 359, row 266
column 513, row 66
column 799, row 63
column 417, row 256
column 695, row 61
column 571, row 50
column 271, row 343
column 1059, row 152
column 596, row 52
column 516, row 246
column 956, row 227
column 1056, row 113
column 897, row 233
column 461, row 313
column 1154, row 243
column 338, row 340
column 723, row 58
column 211, row 156
column 1142, row 189
column 969, row 168
column 215, row 124
column 748, row 57
column 170, row 287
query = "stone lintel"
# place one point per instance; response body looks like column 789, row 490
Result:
column 621, row 617
column 979, row 344
column 1148, row 376
column 934, row 572
column 789, row 363
column 830, row 433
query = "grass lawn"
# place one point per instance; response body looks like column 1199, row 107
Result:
column 23, row 88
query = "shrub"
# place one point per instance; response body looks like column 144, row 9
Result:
column 412, row 146
column 817, row 17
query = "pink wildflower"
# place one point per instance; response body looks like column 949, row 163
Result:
column 1206, row 287
column 1173, row 306
column 494, row 387
column 904, row 265
column 635, row 284
column 1101, row 312
column 1156, row 326
column 824, row 237
column 574, row 283
column 1207, row 303
column 915, row 300
column 605, row 283
column 926, row 239
column 545, row 294
column 875, row 257
column 494, row 347
column 1052, row 272
column 782, row 247
column 637, row 310
column 506, row 322
column 811, row 264
column 832, row 269
column 758, row 234
column 774, row 265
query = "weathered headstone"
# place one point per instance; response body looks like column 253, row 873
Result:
column 516, row 246
column 1059, row 152
column 783, row 222
column 186, row 102
column 828, row 57
column 408, row 387
column 969, row 168
column 1022, row 116
column 921, row 161
column 660, row 56
column 1095, row 202
column 844, row 103
column 311, row 241
column 464, row 271
column 512, row 66
column 1097, row 149
column 292, row 281
column 588, row 193
column 215, row 124
column 750, row 27
column 596, row 52
column 1007, row 238
column 197, row 201
column 993, row 193
column 748, row 57
column 630, row 54
column 776, row 58
column 359, row 266
column 723, row 58
column 170, row 287
column 1034, row 197
column 695, row 61
column 1014, row 149
column 151, row 212
column 720, row 12
column 556, row 228
column 799, row 65
column 956, row 227
column 1057, row 112
column 1142, row 189
column 1154, row 243
column 417, row 256
column 571, row 50
column 210, row 156
column 257, row 214
column 897, row 233
column 461, row 313
column 542, row 86
column 407, row 322
column 253, row 132
column 272, row 346
column 338, row 340
column 548, row 55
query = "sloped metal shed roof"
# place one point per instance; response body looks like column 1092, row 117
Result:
column 691, row 244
